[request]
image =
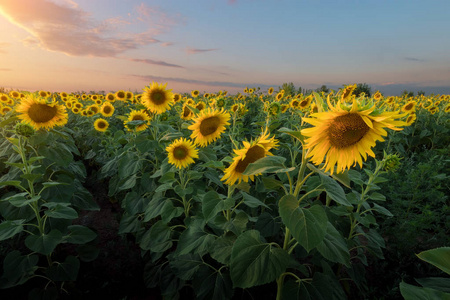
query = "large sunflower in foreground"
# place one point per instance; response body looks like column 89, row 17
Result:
column 156, row 98
column 250, row 153
column 181, row 153
column 39, row 113
column 344, row 135
column 208, row 126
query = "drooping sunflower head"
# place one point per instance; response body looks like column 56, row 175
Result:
column 348, row 91
column 251, row 152
column 186, row 113
column 156, row 98
column 101, row 125
column 181, row 153
column 137, row 115
column 343, row 136
column 410, row 119
column 40, row 113
column 107, row 109
column 208, row 125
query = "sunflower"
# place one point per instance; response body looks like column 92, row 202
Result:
column 279, row 96
column 294, row 103
column 5, row 109
column 343, row 135
column 348, row 91
column 107, row 109
column 409, row 107
column 94, row 108
column 101, row 125
column 187, row 113
column 250, row 153
column 284, row 107
column 378, row 96
column 156, row 98
column 129, row 95
column 44, row 94
column 200, row 105
column 41, row 114
column 110, row 97
column 208, row 125
column 181, row 153
column 235, row 108
column 138, row 115
column 447, row 108
column 195, row 93
column 76, row 110
column 176, row 97
column 14, row 94
column 411, row 118
column 120, row 95
column 4, row 98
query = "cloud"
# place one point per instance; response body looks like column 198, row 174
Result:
column 149, row 78
column 413, row 59
column 154, row 62
column 195, row 51
column 64, row 27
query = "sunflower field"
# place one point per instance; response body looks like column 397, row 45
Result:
column 259, row 195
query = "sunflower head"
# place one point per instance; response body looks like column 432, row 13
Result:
column 344, row 136
column 40, row 113
column 24, row 129
column 14, row 94
column 251, row 152
column 195, row 93
column 107, row 109
column 186, row 113
column 348, row 91
column 137, row 120
column 4, row 98
column 208, row 125
column 110, row 97
column 409, row 106
column 101, row 125
column 156, row 98
column 120, row 95
column 181, row 153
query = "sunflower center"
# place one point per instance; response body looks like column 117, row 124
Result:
column 409, row 106
column 138, row 118
column 347, row 130
column 107, row 109
column 101, row 125
column 253, row 154
column 42, row 113
column 209, row 125
column 157, row 97
column 180, row 152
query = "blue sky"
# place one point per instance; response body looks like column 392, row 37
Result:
column 75, row 45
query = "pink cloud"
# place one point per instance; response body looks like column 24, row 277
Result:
column 195, row 51
column 68, row 29
column 154, row 62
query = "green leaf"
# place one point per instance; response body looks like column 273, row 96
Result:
column 185, row 266
column 268, row 164
column 194, row 239
column 211, row 284
column 79, row 234
column 17, row 269
column 307, row 225
column 296, row 134
column 382, row 210
column 437, row 283
column 213, row 203
column 44, row 244
column 267, row 225
column 57, row 154
column 254, row 262
column 438, row 257
column 31, row 177
column 15, row 183
column 87, row 253
column 10, row 228
column 251, row 201
column 377, row 197
column 129, row 164
column 221, row 248
column 129, row 183
column 157, row 238
column 411, row 292
column 334, row 247
column 60, row 211
column 65, row 271
column 334, row 190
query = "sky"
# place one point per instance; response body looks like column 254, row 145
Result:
column 212, row 45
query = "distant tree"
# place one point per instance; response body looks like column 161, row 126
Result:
column 363, row 88
column 323, row 88
column 420, row 93
column 407, row 94
column 289, row 89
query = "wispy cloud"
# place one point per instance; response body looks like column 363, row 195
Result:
column 66, row 28
column 195, row 51
column 149, row 78
column 154, row 62
column 413, row 59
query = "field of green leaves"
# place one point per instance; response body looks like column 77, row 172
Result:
column 259, row 195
